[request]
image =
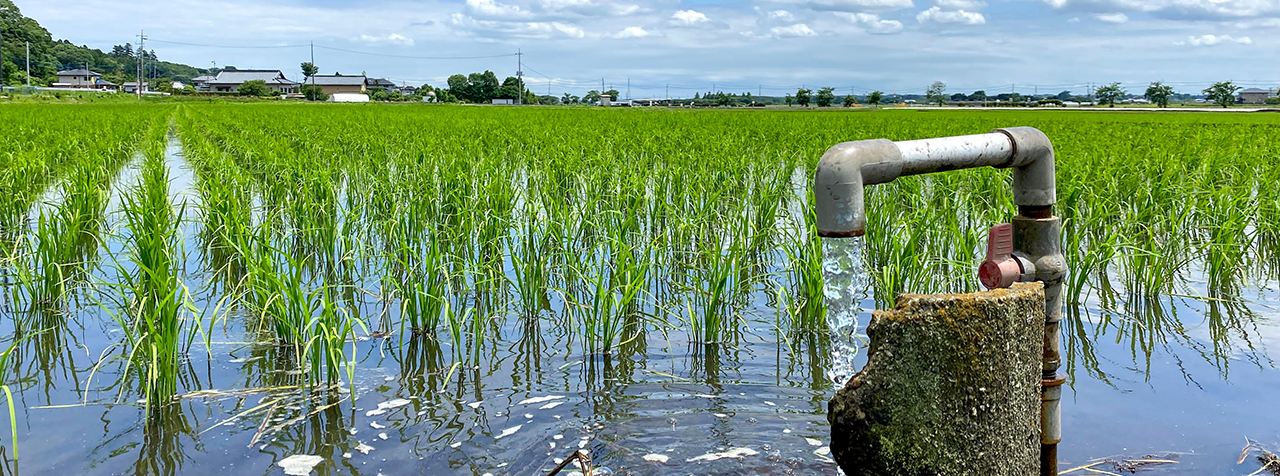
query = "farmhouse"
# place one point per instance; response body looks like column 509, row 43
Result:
column 1256, row 96
column 201, row 83
column 131, row 87
column 380, row 83
column 79, row 78
column 230, row 81
column 338, row 84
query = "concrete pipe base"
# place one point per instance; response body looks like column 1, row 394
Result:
column 951, row 387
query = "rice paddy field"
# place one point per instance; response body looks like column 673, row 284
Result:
column 370, row 289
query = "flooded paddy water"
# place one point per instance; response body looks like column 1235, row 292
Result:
column 666, row 320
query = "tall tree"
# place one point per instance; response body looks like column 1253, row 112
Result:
column 875, row 97
column 1159, row 93
column 789, row 100
column 826, row 96
column 1110, row 94
column 803, row 96
column 308, row 70
column 850, row 100
column 935, row 93
column 1223, row 93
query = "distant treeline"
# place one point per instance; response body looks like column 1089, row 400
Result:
column 49, row 56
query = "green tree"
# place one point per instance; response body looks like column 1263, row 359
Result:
column 875, row 97
column 1223, row 93
column 591, row 97
column 1110, row 94
column 566, row 99
column 789, row 100
column 308, row 70
column 314, row 93
column 257, row 88
column 510, row 89
column 1159, row 93
column 850, row 100
column 935, row 93
column 613, row 93
column 826, row 96
column 803, row 96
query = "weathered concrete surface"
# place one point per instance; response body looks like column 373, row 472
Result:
column 951, row 387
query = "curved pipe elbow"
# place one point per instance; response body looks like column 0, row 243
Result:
column 1034, row 183
column 838, row 183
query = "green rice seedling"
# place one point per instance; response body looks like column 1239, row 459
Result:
column 709, row 298
column 529, row 249
column 808, row 308
column 157, row 315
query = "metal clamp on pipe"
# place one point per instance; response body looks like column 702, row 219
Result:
column 1028, row 249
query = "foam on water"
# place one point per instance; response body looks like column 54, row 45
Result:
column 845, row 284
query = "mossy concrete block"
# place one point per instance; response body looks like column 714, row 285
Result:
column 951, row 387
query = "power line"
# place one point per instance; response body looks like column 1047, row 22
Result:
column 228, row 46
column 508, row 55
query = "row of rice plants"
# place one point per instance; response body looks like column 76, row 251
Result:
column 534, row 205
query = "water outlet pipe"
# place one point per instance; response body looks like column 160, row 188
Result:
column 1028, row 249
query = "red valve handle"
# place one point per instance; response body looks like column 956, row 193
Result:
column 1000, row 270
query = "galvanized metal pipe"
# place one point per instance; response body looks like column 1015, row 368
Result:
column 954, row 153
column 848, row 167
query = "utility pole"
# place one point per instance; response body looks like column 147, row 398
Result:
column 520, row 75
column 142, row 42
column 628, row 89
column 311, row 93
column 668, row 90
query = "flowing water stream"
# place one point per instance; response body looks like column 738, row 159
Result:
column 845, row 285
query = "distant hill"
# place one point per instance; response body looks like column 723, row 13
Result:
column 49, row 56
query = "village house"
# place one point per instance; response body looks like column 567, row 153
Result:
column 1256, row 96
column 230, row 81
column 79, row 79
column 338, row 84
column 201, row 83
column 380, row 83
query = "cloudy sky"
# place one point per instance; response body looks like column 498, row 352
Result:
column 769, row 46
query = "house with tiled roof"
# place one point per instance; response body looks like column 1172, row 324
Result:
column 230, row 81
column 338, row 83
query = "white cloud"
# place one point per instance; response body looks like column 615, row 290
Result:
column 631, row 32
column 688, row 18
column 1211, row 40
column 492, row 10
column 872, row 23
column 793, row 31
column 1112, row 17
column 394, row 38
column 853, row 5
column 540, row 30
column 939, row 15
column 1194, row 10
column 782, row 15
column 970, row 5
column 1074, row 20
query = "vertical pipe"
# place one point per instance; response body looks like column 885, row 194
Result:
column 1037, row 237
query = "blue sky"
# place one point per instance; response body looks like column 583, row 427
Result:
column 774, row 47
